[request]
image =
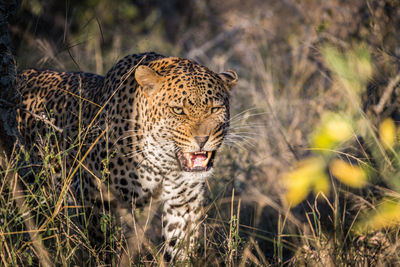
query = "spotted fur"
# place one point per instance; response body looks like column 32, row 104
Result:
column 137, row 109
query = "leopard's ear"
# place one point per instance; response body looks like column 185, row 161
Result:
column 148, row 79
column 229, row 77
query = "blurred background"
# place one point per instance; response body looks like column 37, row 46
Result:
column 285, row 86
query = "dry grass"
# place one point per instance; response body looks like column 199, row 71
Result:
column 285, row 86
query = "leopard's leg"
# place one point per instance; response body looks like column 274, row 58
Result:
column 181, row 218
column 133, row 236
column 123, row 235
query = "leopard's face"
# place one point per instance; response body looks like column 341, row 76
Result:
column 198, row 132
column 189, row 115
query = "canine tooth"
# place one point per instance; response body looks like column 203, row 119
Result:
column 205, row 162
column 191, row 163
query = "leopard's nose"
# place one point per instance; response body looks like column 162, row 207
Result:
column 201, row 141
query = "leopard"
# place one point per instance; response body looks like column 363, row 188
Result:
column 149, row 130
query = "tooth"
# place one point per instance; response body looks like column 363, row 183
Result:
column 189, row 159
column 205, row 163
column 191, row 164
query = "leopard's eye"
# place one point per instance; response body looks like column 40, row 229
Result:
column 215, row 109
column 178, row 110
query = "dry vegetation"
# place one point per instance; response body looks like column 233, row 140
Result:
column 286, row 85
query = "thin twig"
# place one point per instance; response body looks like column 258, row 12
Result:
column 58, row 129
column 198, row 51
column 387, row 93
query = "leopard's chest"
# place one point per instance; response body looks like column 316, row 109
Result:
column 139, row 180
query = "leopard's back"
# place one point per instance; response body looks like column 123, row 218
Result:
column 65, row 99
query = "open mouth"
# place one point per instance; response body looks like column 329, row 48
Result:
column 196, row 161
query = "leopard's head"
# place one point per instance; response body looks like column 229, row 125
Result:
column 187, row 110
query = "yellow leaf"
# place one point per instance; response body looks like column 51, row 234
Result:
column 333, row 130
column 295, row 195
column 302, row 179
column 338, row 128
column 386, row 215
column 348, row 174
column 321, row 185
column 387, row 133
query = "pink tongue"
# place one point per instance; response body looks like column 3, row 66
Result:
column 198, row 160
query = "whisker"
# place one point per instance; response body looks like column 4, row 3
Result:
column 133, row 144
column 246, row 110
column 241, row 139
column 246, row 133
column 236, row 145
column 242, row 142
column 132, row 155
column 245, row 116
column 241, row 136
column 239, row 126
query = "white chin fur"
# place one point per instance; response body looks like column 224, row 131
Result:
column 197, row 176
